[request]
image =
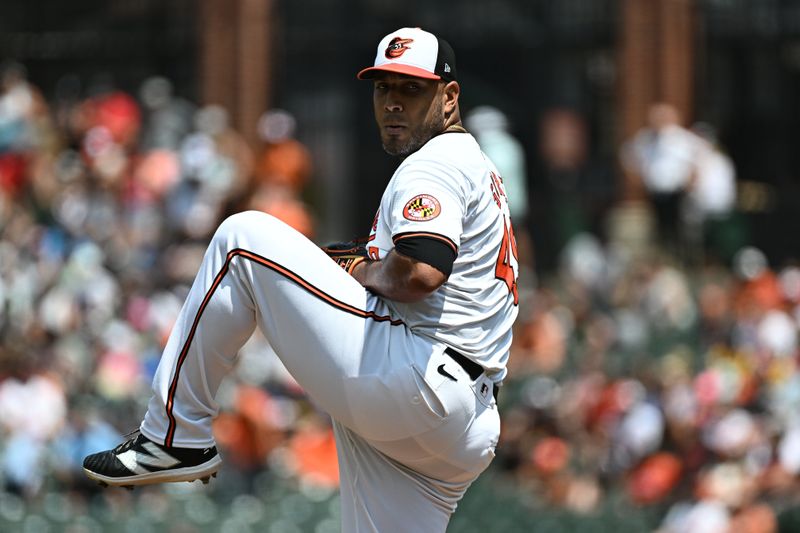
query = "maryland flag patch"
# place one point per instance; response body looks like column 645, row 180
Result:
column 422, row 207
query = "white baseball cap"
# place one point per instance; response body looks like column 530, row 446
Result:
column 414, row 52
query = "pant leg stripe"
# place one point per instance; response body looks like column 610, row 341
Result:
column 238, row 252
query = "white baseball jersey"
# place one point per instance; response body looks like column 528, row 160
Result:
column 450, row 191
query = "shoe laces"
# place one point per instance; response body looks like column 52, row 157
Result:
column 130, row 439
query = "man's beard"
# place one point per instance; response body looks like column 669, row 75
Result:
column 424, row 133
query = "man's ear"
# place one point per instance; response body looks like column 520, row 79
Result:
column 451, row 92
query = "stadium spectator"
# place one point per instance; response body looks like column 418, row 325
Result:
column 665, row 155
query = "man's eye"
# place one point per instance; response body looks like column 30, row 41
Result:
column 380, row 86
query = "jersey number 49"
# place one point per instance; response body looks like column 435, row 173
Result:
column 508, row 260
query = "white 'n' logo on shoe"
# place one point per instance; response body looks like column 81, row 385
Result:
column 135, row 461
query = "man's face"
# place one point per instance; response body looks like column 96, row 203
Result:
column 409, row 111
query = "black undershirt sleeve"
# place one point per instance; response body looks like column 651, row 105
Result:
column 429, row 250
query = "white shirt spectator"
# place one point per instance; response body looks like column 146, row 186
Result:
column 665, row 158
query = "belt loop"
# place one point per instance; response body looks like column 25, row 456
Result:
column 473, row 369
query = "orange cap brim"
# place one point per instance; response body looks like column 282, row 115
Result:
column 397, row 68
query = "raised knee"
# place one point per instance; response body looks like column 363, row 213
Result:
column 239, row 225
column 245, row 220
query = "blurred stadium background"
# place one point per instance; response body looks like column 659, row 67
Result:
column 654, row 380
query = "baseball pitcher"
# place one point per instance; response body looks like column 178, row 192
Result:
column 402, row 336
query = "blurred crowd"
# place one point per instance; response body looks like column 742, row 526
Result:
column 632, row 370
column 678, row 388
column 107, row 200
column 664, row 368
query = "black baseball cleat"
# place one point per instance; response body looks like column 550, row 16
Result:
column 140, row 461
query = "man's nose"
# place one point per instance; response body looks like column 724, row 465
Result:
column 392, row 105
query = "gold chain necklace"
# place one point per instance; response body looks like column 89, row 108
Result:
column 455, row 128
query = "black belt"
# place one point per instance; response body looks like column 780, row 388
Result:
column 473, row 369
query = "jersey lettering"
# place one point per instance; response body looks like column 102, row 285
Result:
column 374, row 230
column 375, row 221
column 497, row 189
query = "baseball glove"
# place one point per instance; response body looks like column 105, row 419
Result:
column 347, row 254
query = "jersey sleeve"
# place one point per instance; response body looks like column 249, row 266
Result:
column 434, row 252
column 428, row 204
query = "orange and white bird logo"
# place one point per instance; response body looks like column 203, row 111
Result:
column 397, row 47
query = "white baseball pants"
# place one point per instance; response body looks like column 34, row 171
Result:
column 410, row 439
